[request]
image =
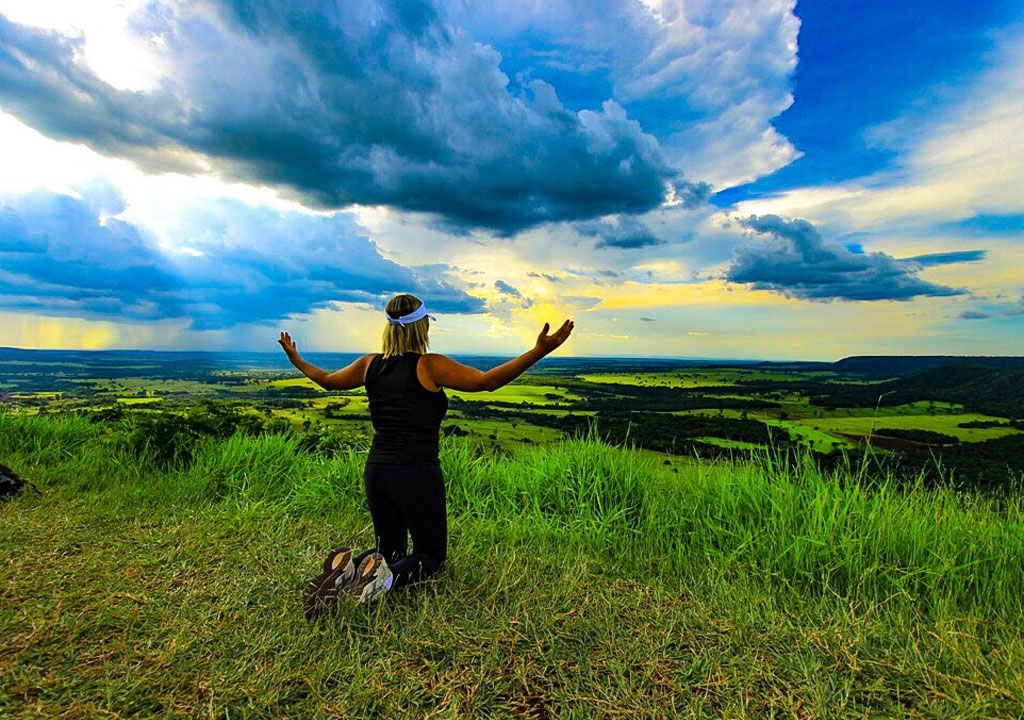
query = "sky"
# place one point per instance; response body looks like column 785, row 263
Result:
column 698, row 178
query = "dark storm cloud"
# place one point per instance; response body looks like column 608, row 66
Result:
column 797, row 262
column 376, row 102
column 626, row 232
column 64, row 255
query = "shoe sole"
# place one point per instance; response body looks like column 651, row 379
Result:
column 337, row 570
column 372, row 592
column 372, row 579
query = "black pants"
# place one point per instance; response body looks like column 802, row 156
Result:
column 408, row 498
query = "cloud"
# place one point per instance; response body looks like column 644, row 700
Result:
column 546, row 276
column 623, row 232
column 57, row 255
column 945, row 258
column 507, row 289
column 704, row 76
column 986, row 224
column 374, row 103
column 508, row 299
column 499, row 115
column 797, row 262
column 500, row 308
column 648, row 319
column 973, row 315
column 64, row 255
column 693, row 195
column 581, row 302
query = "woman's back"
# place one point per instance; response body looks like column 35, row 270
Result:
column 403, row 479
column 406, row 416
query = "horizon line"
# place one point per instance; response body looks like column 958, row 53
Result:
column 489, row 355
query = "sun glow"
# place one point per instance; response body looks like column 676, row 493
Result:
column 117, row 55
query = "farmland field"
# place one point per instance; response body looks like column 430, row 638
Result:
column 672, row 408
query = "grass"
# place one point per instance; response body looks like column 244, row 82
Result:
column 582, row 581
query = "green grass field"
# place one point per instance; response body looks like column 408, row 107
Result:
column 690, row 378
column 822, row 429
column 948, row 424
column 149, row 386
column 508, row 434
column 138, row 400
column 520, row 392
column 811, row 436
column 583, row 581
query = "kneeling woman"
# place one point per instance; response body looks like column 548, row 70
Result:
column 402, row 477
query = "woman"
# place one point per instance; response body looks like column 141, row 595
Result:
column 402, row 476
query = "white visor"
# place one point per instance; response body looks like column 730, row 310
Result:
column 411, row 317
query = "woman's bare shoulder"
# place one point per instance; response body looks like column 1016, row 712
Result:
column 443, row 362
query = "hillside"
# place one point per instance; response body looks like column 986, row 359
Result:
column 998, row 392
column 888, row 366
column 581, row 582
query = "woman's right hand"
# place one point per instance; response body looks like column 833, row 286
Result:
column 548, row 343
column 288, row 344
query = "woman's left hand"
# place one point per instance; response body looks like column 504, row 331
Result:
column 289, row 346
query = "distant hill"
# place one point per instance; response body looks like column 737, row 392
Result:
column 944, row 379
column 888, row 366
column 983, row 389
column 999, row 392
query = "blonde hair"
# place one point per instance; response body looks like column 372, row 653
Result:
column 400, row 339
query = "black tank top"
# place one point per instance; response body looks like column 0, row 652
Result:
column 406, row 416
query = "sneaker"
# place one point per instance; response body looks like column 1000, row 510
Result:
column 322, row 590
column 372, row 579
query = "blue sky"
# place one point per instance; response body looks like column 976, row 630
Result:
column 720, row 179
column 864, row 63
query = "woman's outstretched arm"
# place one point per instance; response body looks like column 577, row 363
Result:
column 348, row 378
column 451, row 374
